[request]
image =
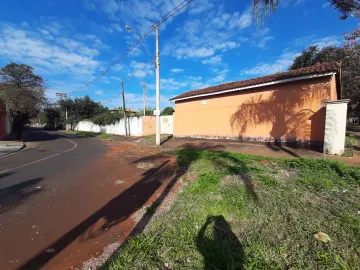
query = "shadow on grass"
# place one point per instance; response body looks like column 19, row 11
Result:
column 220, row 247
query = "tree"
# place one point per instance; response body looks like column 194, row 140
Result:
column 262, row 8
column 80, row 108
column 306, row 58
column 168, row 111
column 149, row 111
column 23, row 92
column 349, row 55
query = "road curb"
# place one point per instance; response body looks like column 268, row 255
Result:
column 9, row 148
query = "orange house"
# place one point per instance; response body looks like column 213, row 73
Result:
column 283, row 107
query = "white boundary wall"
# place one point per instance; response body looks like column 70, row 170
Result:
column 335, row 126
column 135, row 124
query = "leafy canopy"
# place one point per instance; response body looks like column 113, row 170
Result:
column 168, row 111
column 22, row 91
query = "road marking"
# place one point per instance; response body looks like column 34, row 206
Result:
column 36, row 161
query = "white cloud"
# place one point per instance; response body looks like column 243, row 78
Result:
column 218, row 78
column 171, row 84
column 140, row 69
column 176, row 70
column 212, row 60
column 99, row 92
column 307, row 41
column 262, row 43
column 327, row 41
column 200, row 6
column 117, row 27
column 189, row 52
column 241, row 21
column 215, row 30
column 50, row 58
column 326, row 5
column 285, row 60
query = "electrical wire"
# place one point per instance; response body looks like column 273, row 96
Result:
column 168, row 15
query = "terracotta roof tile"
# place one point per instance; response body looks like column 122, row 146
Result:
column 317, row 69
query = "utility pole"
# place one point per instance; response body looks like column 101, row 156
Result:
column 144, row 93
column 61, row 95
column 157, row 65
column 124, row 108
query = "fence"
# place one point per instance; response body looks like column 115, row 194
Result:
column 133, row 123
column 139, row 126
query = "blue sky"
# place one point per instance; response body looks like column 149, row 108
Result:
column 70, row 42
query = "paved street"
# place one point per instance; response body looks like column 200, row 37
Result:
column 65, row 198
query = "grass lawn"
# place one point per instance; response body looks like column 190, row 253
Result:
column 247, row 212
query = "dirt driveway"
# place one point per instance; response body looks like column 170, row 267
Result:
column 85, row 210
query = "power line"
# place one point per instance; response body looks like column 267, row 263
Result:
column 168, row 15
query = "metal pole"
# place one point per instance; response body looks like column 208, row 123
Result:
column 123, row 97
column 157, row 64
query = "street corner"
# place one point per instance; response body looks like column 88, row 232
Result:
column 9, row 147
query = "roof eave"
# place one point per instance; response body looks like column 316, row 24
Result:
column 260, row 85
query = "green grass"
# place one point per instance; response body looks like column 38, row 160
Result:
column 249, row 212
column 350, row 143
column 103, row 136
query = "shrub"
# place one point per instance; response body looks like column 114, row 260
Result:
column 107, row 118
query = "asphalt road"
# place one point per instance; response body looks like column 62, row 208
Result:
column 40, row 191
column 67, row 202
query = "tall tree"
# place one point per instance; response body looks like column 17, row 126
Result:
column 349, row 55
column 23, row 92
column 262, row 8
column 306, row 58
column 80, row 108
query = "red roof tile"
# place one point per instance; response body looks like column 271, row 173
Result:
column 317, row 69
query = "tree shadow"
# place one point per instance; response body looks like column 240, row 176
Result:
column 219, row 246
column 11, row 196
column 114, row 212
column 202, row 146
column 284, row 115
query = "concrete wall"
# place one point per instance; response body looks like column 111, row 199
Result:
column 148, row 125
column 335, row 127
column 167, row 124
column 135, row 124
column 290, row 111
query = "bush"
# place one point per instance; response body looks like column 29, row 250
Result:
column 107, row 118
column 350, row 140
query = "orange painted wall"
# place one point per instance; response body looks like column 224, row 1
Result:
column 286, row 111
column 148, row 125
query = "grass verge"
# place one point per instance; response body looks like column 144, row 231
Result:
column 240, row 211
column 103, row 136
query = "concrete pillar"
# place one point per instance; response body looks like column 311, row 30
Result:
column 335, row 126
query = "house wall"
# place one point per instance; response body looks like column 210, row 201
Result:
column 290, row 111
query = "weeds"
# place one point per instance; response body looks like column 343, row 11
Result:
column 248, row 212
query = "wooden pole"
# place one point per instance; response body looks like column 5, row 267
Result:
column 124, row 108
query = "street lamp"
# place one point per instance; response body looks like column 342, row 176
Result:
column 157, row 66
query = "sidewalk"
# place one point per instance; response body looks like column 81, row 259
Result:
column 8, row 147
column 253, row 149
